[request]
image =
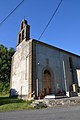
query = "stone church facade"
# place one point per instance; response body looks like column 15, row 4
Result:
column 39, row 69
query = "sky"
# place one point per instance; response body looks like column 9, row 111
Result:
column 63, row 31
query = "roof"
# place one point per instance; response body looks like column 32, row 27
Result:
column 51, row 46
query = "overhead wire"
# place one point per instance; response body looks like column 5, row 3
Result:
column 45, row 26
column 11, row 12
column 50, row 19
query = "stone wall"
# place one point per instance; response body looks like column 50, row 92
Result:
column 21, row 70
column 51, row 58
column 62, row 102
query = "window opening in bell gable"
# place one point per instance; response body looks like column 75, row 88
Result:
column 28, row 31
column 22, row 26
column 22, row 34
column 25, row 22
column 19, row 38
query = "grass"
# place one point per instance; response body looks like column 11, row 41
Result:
column 12, row 104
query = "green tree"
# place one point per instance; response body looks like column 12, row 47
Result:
column 5, row 67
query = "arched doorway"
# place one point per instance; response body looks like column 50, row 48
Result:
column 47, row 82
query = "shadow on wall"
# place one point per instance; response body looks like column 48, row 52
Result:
column 13, row 93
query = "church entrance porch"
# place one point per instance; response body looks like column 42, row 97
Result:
column 47, row 87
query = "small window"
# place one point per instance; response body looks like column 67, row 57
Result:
column 70, row 62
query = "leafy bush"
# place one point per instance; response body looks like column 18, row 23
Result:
column 1, row 87
column 5, row 68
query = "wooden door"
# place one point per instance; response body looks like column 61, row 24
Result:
column 47, row 82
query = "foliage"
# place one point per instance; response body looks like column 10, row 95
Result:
column 5, row 68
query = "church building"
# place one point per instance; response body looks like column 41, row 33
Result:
column 39, row 69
